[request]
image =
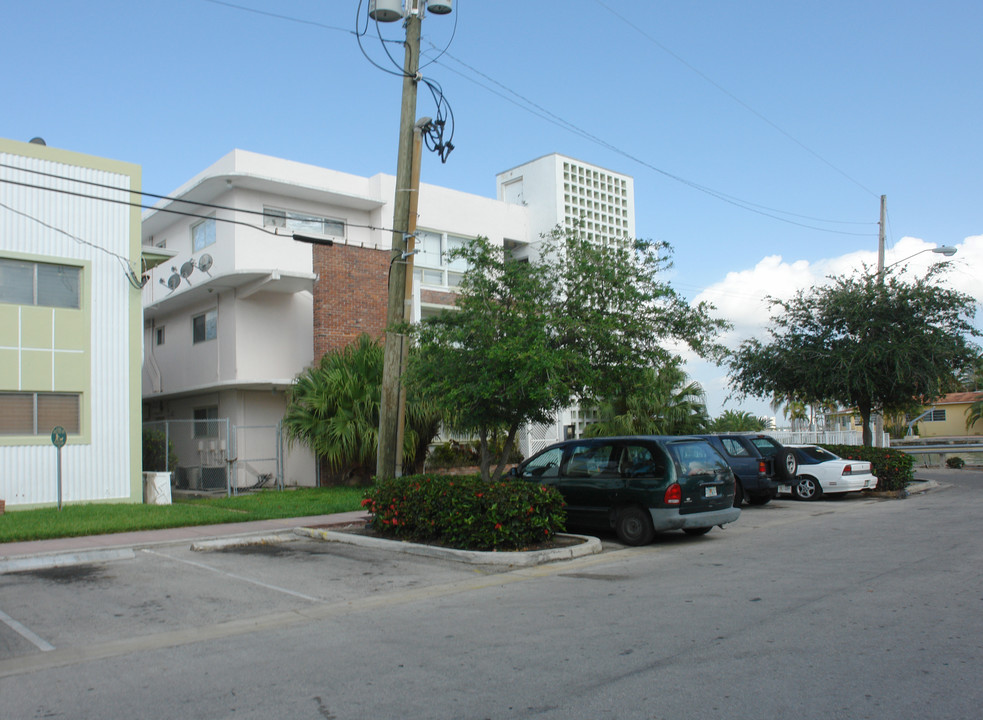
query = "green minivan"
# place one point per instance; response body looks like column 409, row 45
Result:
column 638, row 485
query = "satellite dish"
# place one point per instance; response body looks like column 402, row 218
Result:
column 205, row 263
column 174, row 281
column 187, row 269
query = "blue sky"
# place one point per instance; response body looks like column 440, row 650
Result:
column 802, row 111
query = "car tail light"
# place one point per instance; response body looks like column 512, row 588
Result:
column 674, row 494
column 762, row 467
column 847, row 470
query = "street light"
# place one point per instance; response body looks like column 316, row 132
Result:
column 946, row 250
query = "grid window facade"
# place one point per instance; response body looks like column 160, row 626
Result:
column 598, row 200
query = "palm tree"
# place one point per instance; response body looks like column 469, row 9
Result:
column 666, row 404
column 795, row 411
column 333, row 408
column 738, row 421
column 974, row 414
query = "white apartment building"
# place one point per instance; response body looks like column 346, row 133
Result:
column 242, row 308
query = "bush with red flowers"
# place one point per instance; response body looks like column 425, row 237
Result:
column 465, row 512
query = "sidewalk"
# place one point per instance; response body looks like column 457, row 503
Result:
column 67, row 550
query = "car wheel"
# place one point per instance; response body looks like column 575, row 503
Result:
column 738, row 494
column 634, row 526
column 696, row 531
column 786, row 465
column 808, row 488
column 759, row 498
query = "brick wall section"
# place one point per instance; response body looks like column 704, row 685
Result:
column 350, row 295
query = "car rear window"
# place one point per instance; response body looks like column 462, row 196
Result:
column 696, row 457
column 817, row 453
column 766, row 446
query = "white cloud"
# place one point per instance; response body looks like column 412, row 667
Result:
column 740, row 298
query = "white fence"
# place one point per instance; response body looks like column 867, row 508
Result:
column 818, row 437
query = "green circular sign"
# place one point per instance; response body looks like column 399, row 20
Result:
column 59, row 436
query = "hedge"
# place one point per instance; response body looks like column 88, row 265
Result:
column 465, row 512
column 893, row 468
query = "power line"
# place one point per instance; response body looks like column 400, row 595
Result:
column 557, row 120
column 732, row 96
column 737, row 202
column 125, row 262
column 155, row 208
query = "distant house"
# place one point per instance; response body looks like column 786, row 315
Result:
column 70, row 320
column 947, row 416
column 944, row 418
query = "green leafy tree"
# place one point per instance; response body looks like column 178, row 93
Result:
column 333, row 408
column 528, row 338
column 737, row 421
column 665, row 404
column 862, row 342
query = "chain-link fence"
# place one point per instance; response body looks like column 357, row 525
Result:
column 213, row 454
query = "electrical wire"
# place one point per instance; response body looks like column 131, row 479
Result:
column 434, row 137
column 128, row 270
column 557, row 120
column 169, row 198
column 733, row 97
column 358, row 38
column 737, row 202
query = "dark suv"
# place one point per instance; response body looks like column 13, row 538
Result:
column 638, row 485
column 760, row 463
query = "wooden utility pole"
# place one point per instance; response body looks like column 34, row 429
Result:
column 388, row 459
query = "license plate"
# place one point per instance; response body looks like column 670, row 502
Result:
column 711, row 492
column 785, row 488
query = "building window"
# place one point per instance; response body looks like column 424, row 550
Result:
column 204, row 327
column 302, row 222
column 39, row 413
column 432, row 265
column 206, row 422
column 36, row 283
column 159, row 336
column 936, row 415
column 202, row 234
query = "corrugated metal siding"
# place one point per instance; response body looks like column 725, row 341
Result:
column 99, row 469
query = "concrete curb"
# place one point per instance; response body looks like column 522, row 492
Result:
column 589, row 546
column 44, row 562
column 244, row 540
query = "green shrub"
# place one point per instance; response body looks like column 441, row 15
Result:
column 153, row 452
column 465, row 512
column 954, row 462
column 893, row 468
column 468, row 453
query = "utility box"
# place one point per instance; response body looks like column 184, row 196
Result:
column 157, row 488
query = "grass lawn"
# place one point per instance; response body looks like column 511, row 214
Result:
column 101, row 518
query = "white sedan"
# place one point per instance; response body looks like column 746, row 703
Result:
column 820, row 471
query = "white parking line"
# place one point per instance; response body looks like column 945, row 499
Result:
column 237, row 577
column 38, row 642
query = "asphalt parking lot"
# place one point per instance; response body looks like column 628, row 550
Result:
column 171, row 588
